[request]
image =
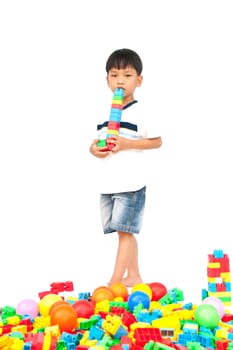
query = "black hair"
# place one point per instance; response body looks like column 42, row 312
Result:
column 123, row 58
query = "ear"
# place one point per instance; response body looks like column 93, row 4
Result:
column 139, row 80
column 107, row 80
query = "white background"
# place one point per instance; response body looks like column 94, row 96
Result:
column 52, row 80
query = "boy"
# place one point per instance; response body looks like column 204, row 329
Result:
column 123, row 167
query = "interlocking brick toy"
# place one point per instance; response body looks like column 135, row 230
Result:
column 114, row 120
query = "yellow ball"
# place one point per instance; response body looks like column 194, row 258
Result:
column 46, row 302
column 142, row 287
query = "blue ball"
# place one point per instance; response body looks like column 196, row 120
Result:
column 137, row 298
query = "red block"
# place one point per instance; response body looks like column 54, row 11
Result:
column 220, row 287
column 126, row 340
column 222, row 344
column 144, row 335
column 128, row 319
column 227, row 318
column 112, row 125
column 213, row 272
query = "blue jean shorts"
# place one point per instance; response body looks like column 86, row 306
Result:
column 122, row 211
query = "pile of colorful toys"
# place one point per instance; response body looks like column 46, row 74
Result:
column 148, row 316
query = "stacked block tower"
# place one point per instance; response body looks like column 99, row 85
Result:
column 114, row 119
column 219, row 279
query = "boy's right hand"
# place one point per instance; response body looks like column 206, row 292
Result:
column 99, row 152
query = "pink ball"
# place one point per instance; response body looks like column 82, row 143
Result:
column 217, row 303
column 27, row 307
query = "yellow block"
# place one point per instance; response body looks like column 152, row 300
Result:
column 226, row 276
column 113, row 132
column 117, row 102
column 215, row 279
column 213, row 265
column 220, row 294
column 221, row 333
column 225, row 325
column 227, row 303
column 5, row 340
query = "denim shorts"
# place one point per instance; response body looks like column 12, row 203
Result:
column 122, row 211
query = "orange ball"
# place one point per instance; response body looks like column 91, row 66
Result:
column 102, row 293
column 55, row 305
column 120, row 290
column 64, row 316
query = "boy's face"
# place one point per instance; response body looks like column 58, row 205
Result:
column 126, row 78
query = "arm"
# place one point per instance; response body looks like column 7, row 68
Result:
column 122, row 143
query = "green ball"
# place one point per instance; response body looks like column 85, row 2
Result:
column 207, row 315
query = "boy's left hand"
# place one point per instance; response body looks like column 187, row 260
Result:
column 119, row 143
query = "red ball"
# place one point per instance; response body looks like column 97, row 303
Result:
column 84, row 308
column 158, row 290
column 65, row 317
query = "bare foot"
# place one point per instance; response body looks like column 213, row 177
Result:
column 111, row 283
column 130, row 282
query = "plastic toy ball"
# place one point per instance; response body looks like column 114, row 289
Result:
column 120, row 290
column 65, row 317
column 84, row 308
column 158, row 290
column 56, row 304
column 207, row 315
column 216, row 302
column 137, row 298
column 46, row 302
column 143, row 288
column 27, row 307
column 102, row 293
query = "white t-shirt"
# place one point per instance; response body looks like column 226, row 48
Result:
column 127, row 170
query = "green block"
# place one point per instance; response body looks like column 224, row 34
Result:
column 101, row 143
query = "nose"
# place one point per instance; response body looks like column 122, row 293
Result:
column 120, row 85
column 120, row 81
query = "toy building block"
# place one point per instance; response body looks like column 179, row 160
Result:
column 227, row 318
column 113, row 325
column 41, row 295
column 114, row 120
column 218, row 273
column 96, row 333
column 117, row 347
column 222, row 344
column 84, row 295
column 144, row 335
column 119, row 304
column 57, row 287
column 125, row 339
column 8, row 311
column 163, row 346
column 128, row 318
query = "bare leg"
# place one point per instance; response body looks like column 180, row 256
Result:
column 133, row 274
column 126, row 260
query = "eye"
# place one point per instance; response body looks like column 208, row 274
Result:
column 113, row 75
